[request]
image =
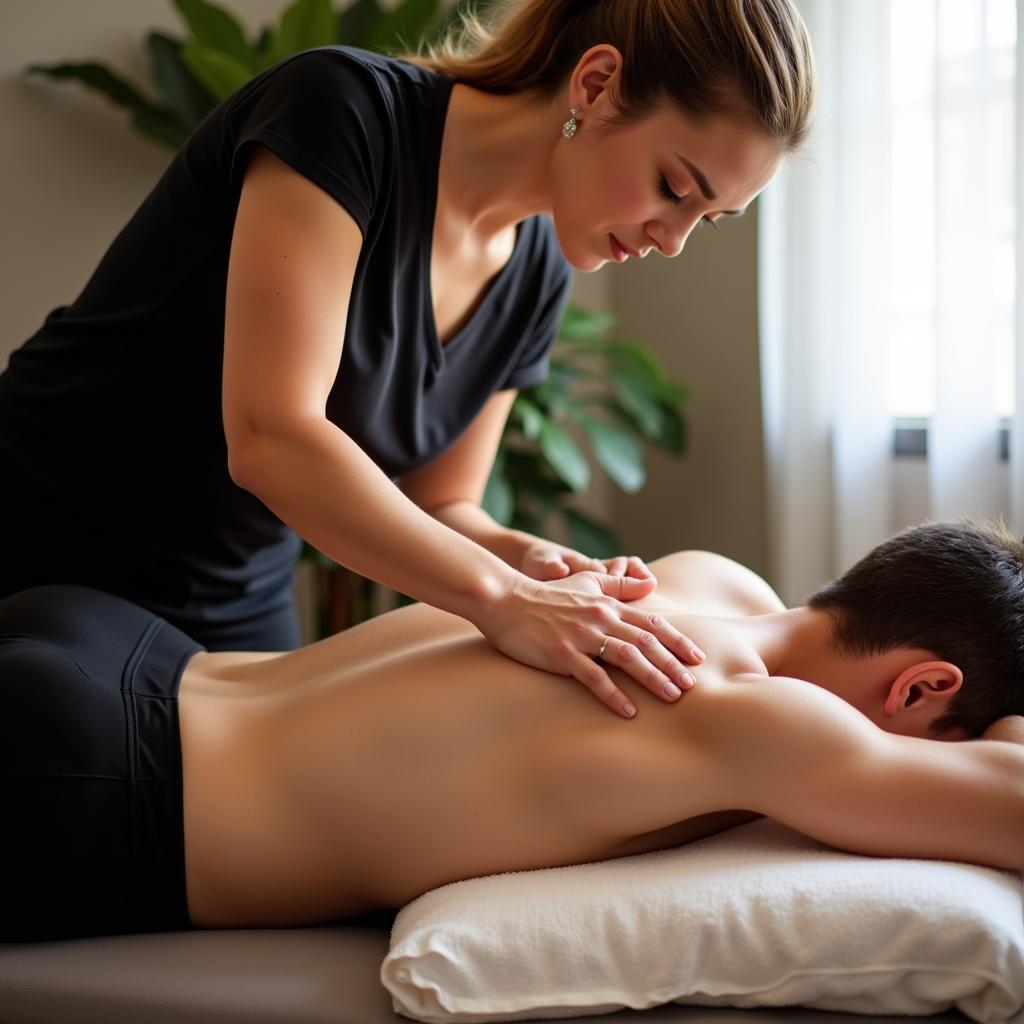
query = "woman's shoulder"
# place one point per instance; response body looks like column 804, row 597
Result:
column 327, row 75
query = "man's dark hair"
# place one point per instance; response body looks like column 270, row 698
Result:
column 953, row 588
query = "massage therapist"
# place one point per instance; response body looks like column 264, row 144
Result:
column 342, row 280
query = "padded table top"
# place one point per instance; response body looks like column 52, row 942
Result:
column 326, row 975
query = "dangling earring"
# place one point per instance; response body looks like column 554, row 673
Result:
column 570, row 126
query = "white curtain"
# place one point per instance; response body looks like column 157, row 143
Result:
column 886, row 255
column 1017, row 429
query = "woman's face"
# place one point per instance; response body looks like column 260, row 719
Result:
column 650, row 184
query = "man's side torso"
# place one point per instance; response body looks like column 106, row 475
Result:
column 407, row 753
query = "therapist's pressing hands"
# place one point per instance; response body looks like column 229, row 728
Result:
column 560, row 625
column 547, row 560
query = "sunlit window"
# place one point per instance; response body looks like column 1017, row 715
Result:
column 960, row 53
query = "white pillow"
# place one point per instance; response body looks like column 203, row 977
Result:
column 756, row 916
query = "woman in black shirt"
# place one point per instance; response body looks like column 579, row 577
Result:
column 315, row 324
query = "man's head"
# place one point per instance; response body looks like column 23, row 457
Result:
column 954, row 593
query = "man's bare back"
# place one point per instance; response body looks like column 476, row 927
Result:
column 407, row 753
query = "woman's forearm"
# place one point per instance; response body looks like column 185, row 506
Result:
column 472, row 521
column 316, row 479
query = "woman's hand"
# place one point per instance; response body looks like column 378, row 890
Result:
column 564, row 625
column 546, row 560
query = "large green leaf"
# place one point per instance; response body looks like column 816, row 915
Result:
column 215, row 29
column 161, row 126
column 564, row 456
column 355, row 24
column 305, row 24
column 532, row 418
column 220, row 73
column 179, row 88
column 527, row 522
column 403, row 27
column 562, row 376
column 548, row 396
column 579, row 324
column 536, row 487
column 590, row 537
column 499, row 499
column 635, row 393
column 618, row 453
column 262, row 44
column 452, row 16
column 672, row 436
column 97, row 77
column 636, row 359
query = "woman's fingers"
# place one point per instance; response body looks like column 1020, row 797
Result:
column 617, row 566
column 624, row 565
column 582, row 632
column 639, row 660
column 680, row 645
column 626, row 588
column 649, row 663
column 595, row 679
column 581, row 563
column 638, row 568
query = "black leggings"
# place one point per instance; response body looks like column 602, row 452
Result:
column 90, row 766
column 254, row 622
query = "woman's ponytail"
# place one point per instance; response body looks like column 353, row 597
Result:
column 700, row 56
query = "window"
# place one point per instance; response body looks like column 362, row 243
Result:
column 952, row 181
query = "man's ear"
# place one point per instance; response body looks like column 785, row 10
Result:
column 926, row 681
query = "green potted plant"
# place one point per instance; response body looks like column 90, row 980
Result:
column 605, row 394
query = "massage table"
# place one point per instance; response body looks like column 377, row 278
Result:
column 327, row 975
column 731, row 903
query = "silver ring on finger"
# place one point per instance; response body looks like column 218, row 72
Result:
column 600, row 653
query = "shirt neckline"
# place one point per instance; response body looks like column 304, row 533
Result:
column 439, row 352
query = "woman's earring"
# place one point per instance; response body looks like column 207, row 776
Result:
column 570, row 126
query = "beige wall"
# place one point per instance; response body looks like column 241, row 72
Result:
column 73, row 172
column 698, row 314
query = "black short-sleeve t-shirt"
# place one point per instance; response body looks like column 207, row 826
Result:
column 110, row 415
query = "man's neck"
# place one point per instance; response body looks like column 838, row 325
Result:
column 798, row 643
column 795, row 643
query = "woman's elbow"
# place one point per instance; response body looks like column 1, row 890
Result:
column 249, row 449
column 261, row 451
column 242, row 462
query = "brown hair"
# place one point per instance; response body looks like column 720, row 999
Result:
column 955, row 589
column 698, row 56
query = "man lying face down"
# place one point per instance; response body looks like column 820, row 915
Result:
column 406, row 753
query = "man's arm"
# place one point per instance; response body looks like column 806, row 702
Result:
column 800, row 754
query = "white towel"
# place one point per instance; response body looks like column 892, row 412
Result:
column 756, row 916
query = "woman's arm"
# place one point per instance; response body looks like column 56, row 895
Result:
column 293, row 258
column 451, row 487
column 292, row 265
